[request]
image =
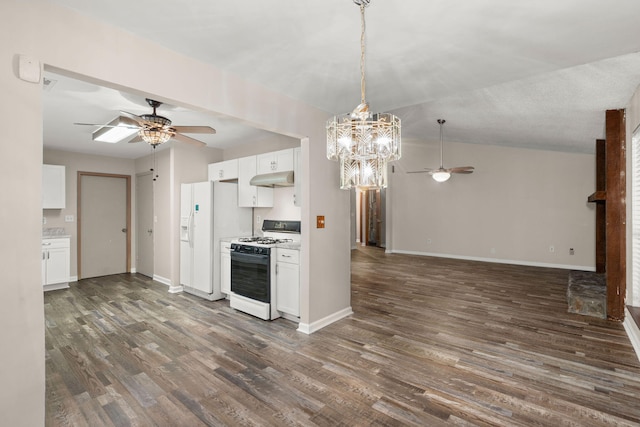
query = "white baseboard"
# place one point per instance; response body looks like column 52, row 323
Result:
column 175, row 289
column 55, row 287
column 133, row 270
column 162, row 280
column 633, row 332
column 73, row 278
column 497, row 260
column 319, row 324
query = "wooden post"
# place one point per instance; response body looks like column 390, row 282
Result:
column 615, row 214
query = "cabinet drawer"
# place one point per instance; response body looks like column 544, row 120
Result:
column 291, row 256
column 55, row 243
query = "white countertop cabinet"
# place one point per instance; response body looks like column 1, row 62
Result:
column 56, row 254
column 288, row 281
column 250, row 196
column 225, row 267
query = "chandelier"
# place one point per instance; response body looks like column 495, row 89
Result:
column 363, row 142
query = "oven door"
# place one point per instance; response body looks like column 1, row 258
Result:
column 250, row 276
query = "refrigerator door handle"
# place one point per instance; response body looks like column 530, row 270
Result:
column 190, row 229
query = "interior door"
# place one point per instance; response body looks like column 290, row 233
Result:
column 144, row 224
column 103, row 224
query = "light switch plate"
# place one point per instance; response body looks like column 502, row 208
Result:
column 320, row 221
column 68, row 218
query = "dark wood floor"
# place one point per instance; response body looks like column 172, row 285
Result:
column 432, row 342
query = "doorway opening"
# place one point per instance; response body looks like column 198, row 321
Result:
column 372, row 230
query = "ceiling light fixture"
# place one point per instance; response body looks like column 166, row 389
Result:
column 155, row 129
column 114, row 131
column 362, row 141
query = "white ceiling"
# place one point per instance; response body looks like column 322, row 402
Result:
column 524, row 74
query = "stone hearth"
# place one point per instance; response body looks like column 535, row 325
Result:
column 587, row 294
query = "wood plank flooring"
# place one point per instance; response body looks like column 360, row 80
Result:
column 432, row 342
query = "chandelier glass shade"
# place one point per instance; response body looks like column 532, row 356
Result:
column 157, row 133
column 363, row 142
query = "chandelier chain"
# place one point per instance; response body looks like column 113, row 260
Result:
column 363, row 83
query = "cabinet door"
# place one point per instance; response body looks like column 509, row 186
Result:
column 284, row 160
column 224, row 171
column 44, row 267
column 247, row 193
column 266, row 163
column 225, row 271
column 288, row 288
column 53, row 187
column 57, row 265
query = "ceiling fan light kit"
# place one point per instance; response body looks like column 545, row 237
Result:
column 115, row 131
column 440, row 176
column 363, row 142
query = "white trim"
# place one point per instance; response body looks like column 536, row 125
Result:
column 162, row 280
column 175, row 289
column 308, row 329
column 498, row 261
column 55, row 286
column 633, row 332
column 73, row 278
column 132, row 270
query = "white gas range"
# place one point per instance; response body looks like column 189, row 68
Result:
column 253, row 268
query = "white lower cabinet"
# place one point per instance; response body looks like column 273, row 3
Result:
column 56, row 257
column 225, row 267
column 288, row 281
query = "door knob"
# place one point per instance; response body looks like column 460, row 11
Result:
column 150, row 230
column 124, row 230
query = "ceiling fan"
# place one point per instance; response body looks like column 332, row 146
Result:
column 151, row 128
column 441, row 174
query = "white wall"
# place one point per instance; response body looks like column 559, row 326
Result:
column 632, row 123
column 67, row 42
column 283, row 209
column 74, row 163
column 513, row 208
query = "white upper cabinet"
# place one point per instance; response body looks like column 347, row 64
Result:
column 53, row 187
column 224, row 171
column 276, row 161
column 249, row 195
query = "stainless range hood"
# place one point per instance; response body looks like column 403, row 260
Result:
column 276, row 179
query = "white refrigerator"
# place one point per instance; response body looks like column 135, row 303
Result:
column 208, row 212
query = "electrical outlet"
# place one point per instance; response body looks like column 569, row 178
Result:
column 44, row 220
column 68, row 218
column 428, row 241
column 493, row 251
column 571, row 251
column 259, row 220
column 552, row 249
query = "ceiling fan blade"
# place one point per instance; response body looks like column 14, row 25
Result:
column 107, row 126
column 461, row 169
column 138, row 138
column 130, row 117
column 194, row 129
column 183, row 138
column 419, row 171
